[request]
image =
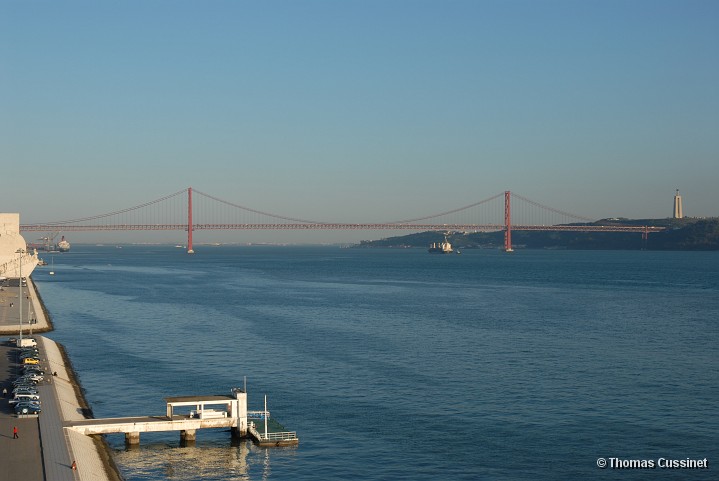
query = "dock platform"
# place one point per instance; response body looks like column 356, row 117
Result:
column 233, row 415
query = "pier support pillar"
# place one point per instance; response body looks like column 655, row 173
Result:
column 238, row 410
column 188, row 436
column 238, row 432
column 132, row 439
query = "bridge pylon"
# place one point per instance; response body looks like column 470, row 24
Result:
column 189, row 221
column 507, row 222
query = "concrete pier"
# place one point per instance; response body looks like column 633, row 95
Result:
column 234, row 416
column 188, row 436
column 132, row 438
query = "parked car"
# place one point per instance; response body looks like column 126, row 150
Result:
column 33, row 377
column 26, row 392
column 31, row 360
column 27, row 408
column 24, row 382
column 32, row 389
column 24, row 387
column 26, row 342
column 24, row 397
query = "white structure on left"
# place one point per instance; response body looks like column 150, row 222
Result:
column 13, row 249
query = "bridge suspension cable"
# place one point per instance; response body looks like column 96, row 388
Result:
column 255, row 211
column 453, row 211
column 551, row 209
column 109, row 214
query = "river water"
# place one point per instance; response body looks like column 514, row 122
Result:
column 397, row 364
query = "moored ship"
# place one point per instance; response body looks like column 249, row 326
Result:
column 63, row 245
column 441, row 247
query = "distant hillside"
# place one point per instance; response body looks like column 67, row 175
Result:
column 681, row 234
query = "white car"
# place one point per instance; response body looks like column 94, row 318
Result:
column 24, row 397
column 32, row 376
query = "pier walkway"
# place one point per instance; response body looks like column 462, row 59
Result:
column 234, row 415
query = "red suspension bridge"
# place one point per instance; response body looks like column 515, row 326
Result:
column 502, row 212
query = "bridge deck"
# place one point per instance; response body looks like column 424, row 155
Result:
column 146, row 424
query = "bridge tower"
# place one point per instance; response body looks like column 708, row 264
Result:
column 189, row 221
column 507, row 222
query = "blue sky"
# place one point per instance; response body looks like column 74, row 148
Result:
column 359, row 111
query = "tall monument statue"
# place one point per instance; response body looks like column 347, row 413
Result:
column 678, row 214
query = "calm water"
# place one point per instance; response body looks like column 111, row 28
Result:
column 396, row 364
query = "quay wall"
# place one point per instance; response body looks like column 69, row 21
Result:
column 44, row 321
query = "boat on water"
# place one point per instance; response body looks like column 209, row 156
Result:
column 63, row 245
column 441, row 247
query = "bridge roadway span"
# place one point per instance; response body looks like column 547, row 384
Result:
column 463, row 227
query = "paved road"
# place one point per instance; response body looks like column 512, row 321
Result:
column 22, row 457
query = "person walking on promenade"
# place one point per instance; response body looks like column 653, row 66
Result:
column 14, row 432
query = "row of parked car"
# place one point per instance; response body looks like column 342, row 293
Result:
column 25, row 396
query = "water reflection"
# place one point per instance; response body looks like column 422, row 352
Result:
column 241, row 460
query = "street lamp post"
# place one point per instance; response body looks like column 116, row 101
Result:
column 30, row 314
column 19, row 282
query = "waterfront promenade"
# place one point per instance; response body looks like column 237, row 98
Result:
column 45, row 449
column 31, row 309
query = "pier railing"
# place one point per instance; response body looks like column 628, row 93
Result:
column 272, row 437
column 286, row 436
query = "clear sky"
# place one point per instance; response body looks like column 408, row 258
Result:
column 359, row 111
